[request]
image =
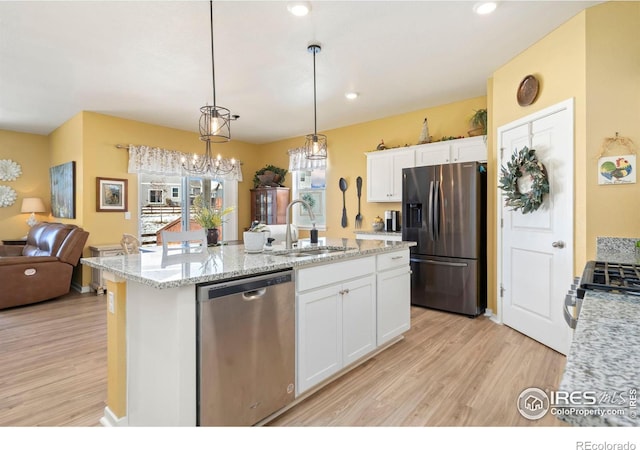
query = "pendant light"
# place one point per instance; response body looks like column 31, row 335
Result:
column 215, row 126
column 315, row 146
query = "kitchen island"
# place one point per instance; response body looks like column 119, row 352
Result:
column 152, row 320
column 604, row 358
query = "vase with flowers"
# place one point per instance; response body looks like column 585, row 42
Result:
column 210, row 219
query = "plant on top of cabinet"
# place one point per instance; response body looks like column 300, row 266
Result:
column 478, row 123
column 270, row 176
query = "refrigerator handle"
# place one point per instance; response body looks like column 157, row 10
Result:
column 430, row 215
column 436, row 211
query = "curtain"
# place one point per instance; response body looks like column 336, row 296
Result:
column 297, row 161
column 160, row 161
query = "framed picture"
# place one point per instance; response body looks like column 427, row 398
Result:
column 617, row 169
column 63, row 190
column 111, row 195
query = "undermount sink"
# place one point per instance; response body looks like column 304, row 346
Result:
column 301, row 252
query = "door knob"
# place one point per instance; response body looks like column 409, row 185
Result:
column 558, row 244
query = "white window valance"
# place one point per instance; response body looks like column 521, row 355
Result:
column 298, row 161
column 160, row 161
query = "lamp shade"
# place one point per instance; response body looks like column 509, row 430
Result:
column 32, row 205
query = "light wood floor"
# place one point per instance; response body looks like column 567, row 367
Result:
column 53, row 362
column 449, row 371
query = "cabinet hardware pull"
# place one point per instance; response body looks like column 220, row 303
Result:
column 397, row 257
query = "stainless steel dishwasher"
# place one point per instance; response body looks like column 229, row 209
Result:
column 246, row 349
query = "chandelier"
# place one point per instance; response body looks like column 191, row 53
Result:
column 215, row 126
column 315, row 145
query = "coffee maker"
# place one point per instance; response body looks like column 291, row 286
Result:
column 391, row 220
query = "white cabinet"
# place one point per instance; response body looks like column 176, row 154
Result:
column 454, row 151
column 319, row 336
column 384, row 168
column 384, row 174
column 393, row 295
column 336, row 324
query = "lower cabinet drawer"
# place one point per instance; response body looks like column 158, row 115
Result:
column 392, row 260
column 334, row 272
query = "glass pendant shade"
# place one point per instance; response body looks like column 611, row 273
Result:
column 215, row 124
column 315, row 146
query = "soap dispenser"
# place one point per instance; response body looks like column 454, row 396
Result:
column 314, row 234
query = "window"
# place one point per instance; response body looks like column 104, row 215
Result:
column 155, row 195
column 159, row 208
column 310, row 186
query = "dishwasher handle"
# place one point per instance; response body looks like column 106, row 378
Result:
column 253, row 295
column 251, row 286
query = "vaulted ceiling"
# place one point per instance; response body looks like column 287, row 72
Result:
column 151, row 60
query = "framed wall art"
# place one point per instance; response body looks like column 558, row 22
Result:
column 111, row 195
column 63, row 190
column 617, row 169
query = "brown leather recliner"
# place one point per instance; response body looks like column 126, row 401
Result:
column 41, row 269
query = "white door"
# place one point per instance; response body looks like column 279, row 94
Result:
column 393, row 303
column 536, row 249
column 399, row 161
column 319, row 334
column 358, row 318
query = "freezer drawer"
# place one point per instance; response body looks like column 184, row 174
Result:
column 448, row 284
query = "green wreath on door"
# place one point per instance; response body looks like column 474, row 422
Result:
column 524, row 163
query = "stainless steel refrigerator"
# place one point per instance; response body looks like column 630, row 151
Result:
column 444, row 211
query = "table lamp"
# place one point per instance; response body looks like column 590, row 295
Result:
column 32, row 205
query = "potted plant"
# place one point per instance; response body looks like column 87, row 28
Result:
column 209, row 218
column 478, row 123
column 269, row 175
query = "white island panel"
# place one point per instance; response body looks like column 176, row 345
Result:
column 161, row 356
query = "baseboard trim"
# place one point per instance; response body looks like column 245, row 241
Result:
column 79, row 288
column 492, row 317
column 110, row 420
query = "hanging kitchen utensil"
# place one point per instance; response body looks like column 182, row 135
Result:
column 343, row 188
column 359, row 190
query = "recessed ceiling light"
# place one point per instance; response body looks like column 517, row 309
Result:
column 351, row 95
column 485, row 7
column 299, row 8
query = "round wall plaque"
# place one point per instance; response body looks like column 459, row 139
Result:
column 527, row 91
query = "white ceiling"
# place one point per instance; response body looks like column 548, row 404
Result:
column 151, row 60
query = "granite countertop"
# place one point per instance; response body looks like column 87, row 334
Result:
column 381, row 233
column 604, row 356
column 229, row 261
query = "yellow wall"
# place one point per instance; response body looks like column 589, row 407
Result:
column 613, row 104
column 595, row 59
column 558, row 62
column 31, row 152
column 347, row 147
column 101, row 133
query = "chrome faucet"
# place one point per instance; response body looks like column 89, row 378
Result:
column 289, row 239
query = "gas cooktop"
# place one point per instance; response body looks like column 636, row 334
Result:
column 611, row 277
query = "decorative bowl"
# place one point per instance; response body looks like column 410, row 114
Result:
column 377, row 226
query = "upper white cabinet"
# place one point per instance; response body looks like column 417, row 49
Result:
column 384, row 168
column 384, row 174
column 454, row 151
